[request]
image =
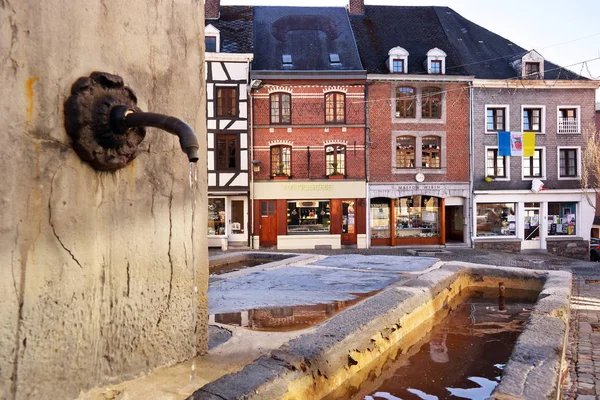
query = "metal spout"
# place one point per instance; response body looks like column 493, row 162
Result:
column 123, row 118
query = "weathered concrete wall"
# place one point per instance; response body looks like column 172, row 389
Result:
column 96, row 268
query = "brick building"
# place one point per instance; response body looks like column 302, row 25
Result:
column 418, row 127
column 308, row 150
column 228, row 40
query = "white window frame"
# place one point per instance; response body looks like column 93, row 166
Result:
column 542, row 118
column 211, row 31
column 398, row 53
column 542, row 166
column 506, row 117
column 568, row 178
column 419, row 135
column 578, row 108
column 436, row 54
column 507, row 166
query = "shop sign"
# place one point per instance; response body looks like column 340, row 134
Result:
column 417, row 187
column 308, row 187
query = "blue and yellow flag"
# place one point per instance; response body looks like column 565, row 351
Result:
column 528, row 144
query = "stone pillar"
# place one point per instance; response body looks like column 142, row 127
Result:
column 97, row 268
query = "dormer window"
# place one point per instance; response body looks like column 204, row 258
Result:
column 532, row 69
column 532, row 65
column 436, row 67
column 436, row 61
column 212, row 39
column 398, row 60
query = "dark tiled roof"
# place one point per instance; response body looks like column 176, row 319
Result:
column 235, row 26
column 485, row 54
column 416, row 29
column 470, row 49
column 308, row 34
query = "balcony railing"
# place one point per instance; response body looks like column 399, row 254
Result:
column 568, row 125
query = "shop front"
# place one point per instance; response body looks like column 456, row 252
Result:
column 309, row 215
column 551, row 220
column 417, row 214
column 227, row 221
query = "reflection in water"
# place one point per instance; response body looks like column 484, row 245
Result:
column 461, row 357
column 284, row 319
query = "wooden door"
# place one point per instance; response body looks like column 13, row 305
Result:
column 268, row 223
column 349, row 222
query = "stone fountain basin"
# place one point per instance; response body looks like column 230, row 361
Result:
column 315, row 363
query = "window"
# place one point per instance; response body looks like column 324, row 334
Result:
column 405, row 152
column 335, row 108
column 431, row 103
column 398, row 66
column 281, row 108
column 532, row 119
column 397, row 61
column 495, row 165
column 532, row 69
column 562, row 218
column 335, row 160
column 216, row 216
column 281, row 160
column 417, row 216
column 436, row 67
column 226, row 102
column 568, row 120
column 532, row 166
column 568, row 163
column 495, row 119
column 210, row 43
column 430, row 148
column 496, row 219
column 380, row 218
column 227, row 152
column 406, row 102
column 305, row 217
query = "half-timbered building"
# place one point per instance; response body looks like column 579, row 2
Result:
column 228, row 39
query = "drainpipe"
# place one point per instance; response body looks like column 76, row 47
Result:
column 367, row 146
column 470, row 218
column 308, row 159
column 250, row 121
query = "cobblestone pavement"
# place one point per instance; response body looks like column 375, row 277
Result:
column 583, row 352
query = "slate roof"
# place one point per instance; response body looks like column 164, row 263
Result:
column 236, row 29
column 470, row 49
column 308, row 34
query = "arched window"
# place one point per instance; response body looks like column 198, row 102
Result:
column 405, row 152
column 431, row 152
column 335, row 108
column 281, row 108
column 431, row 103
column 405, row 102
column 281, row 160
column 335, row 160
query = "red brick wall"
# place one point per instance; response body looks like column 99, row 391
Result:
column 381, row 126
column 211, row 9
column 308, row 128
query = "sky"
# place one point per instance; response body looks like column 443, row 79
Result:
column 566, row 33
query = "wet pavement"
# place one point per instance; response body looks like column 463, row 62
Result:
column 583, row 352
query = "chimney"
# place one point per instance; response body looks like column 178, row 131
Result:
column 211, row 9
column 356, row 7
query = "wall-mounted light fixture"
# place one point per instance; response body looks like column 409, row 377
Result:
column 256, row 165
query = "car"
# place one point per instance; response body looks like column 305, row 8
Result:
column 595, row 249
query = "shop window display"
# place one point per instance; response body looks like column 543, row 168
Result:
column 216, row 216
column 380, row 218
column 496, row 219
column 561, row 219
column 308, row 217
column 417, row 216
